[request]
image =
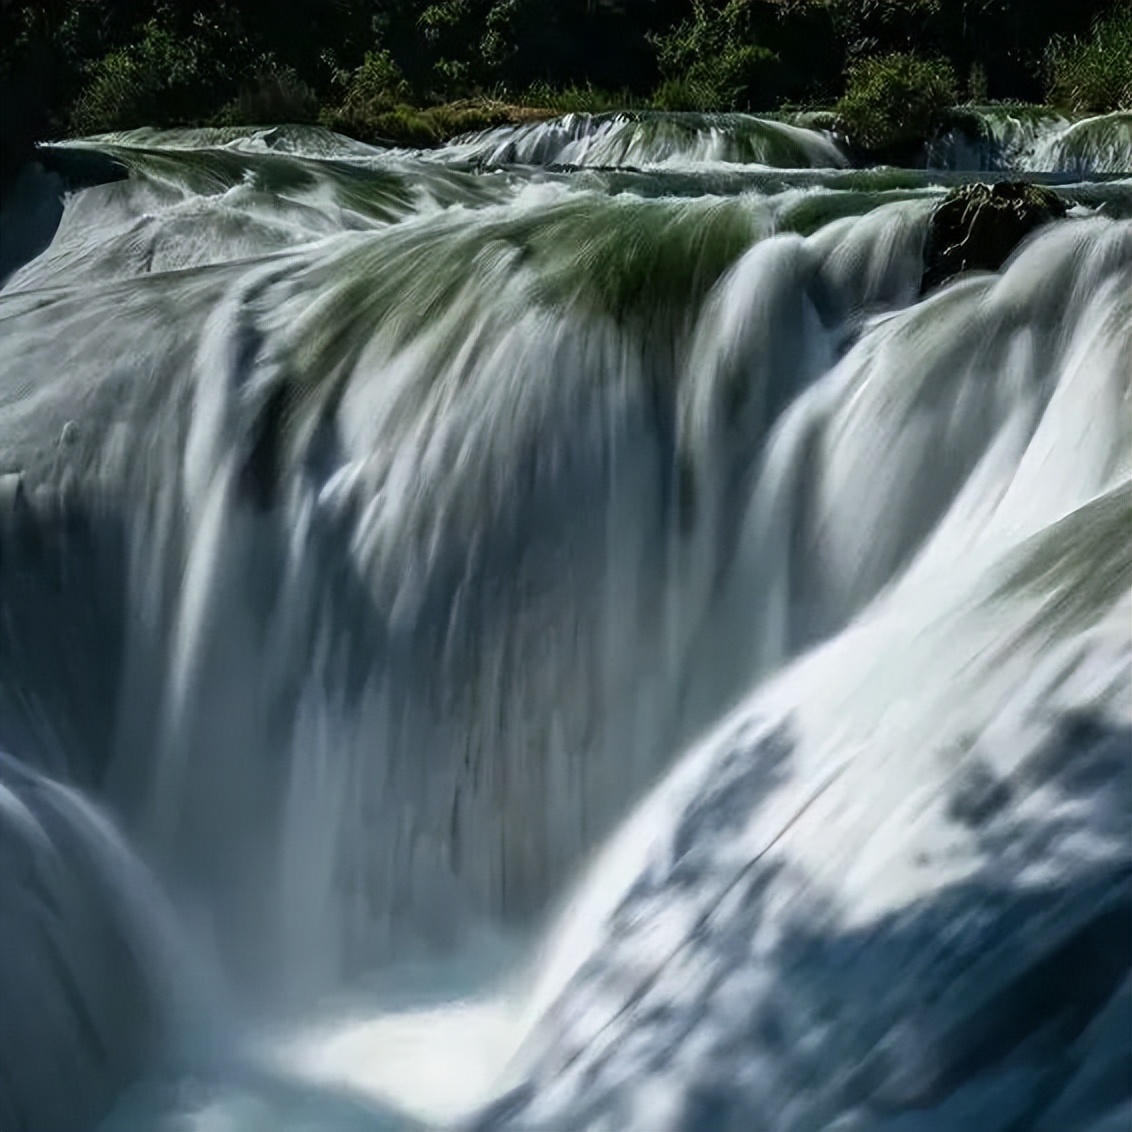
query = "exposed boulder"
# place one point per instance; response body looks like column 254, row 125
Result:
column 976, row 227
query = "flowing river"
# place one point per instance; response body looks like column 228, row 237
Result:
column 559, row 634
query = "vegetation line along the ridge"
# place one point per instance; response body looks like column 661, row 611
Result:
column 413, row 73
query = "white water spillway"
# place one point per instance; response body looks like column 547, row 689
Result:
column 395, row 557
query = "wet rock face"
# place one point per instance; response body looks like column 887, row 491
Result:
column 976, row 227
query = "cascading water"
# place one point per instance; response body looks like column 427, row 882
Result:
column 650, row 139
column 375, row 532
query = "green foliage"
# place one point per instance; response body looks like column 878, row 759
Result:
column 399, row 123
column 451, row 77
column 1004, row 40
column 576, row 99
column 446, row 31
column 688, row 94
column 91, row 65
column 375, row 88
column 159, row 77
column 709, row 60
column 885, row 21
column 1093, row 74
column 453, row 48
column 498, row 45
column 977, row 84
column 895, row 102
column 377, row 106
column 438, row 19
column 278, row 96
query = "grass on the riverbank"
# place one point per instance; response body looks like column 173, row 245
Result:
column 1093, row 74
column 422, row 127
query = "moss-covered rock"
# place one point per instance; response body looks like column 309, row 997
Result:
column 976, row 227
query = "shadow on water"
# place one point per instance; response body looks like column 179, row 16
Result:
column 62, row 610
column 32, row 206
column 1002, row 1002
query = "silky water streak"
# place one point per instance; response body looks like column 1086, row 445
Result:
column 381, row 539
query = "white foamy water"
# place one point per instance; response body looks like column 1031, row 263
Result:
column 537, row 649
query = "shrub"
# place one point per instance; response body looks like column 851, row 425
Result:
column 710, row 62
column 688, row 94
column 895, row 102
column 377, row 99
column 396, row 125
column 1093, row 75
column 374, row 89
column 977, row 84
column 158, row 79
column 377, row 83
column 575, row 99
column 459, row 46
column 277, row 97
column 1006, row 39
column 451, row 77
column 402, row 124
column 467, row 117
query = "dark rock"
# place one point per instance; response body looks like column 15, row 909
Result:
column 977, row 795
column 976, row 227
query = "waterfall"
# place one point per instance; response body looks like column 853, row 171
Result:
column 1033, row 140
column 395, row 556
column 95, row 977
column 650, row 139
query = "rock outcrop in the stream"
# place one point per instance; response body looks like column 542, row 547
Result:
column 977, row 227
